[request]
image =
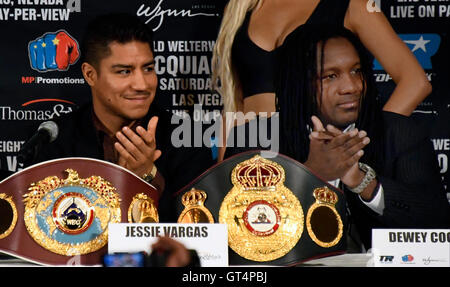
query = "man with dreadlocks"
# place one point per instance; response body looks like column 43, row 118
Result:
column 331, row 120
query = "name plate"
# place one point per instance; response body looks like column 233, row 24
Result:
column 411, row 247
column 209, row 240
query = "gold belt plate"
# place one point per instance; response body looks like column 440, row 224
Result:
column 264, row 218
column 71, row 216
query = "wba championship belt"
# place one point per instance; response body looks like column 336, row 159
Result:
column 57, row 212
column 277, row 211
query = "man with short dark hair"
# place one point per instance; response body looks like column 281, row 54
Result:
column 120, row 69
column 122, row 124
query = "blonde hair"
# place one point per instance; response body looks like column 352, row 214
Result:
column 222, row 65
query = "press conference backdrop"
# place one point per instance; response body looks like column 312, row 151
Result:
column 40, row 80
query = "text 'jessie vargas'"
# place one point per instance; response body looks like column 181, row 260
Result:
column 171, row 231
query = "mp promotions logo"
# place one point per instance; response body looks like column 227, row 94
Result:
column 423, row 46
column 53, row 51
column 407, row 258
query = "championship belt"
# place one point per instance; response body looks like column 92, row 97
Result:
column 57, row 212
column 276, row 210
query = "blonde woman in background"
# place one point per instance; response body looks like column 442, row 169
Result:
column 244, row 58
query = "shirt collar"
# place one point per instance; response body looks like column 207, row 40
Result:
column 101, row 128
column 347, row 129
column 106, row 139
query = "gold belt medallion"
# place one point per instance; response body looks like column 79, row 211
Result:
column 323, row 222
column 142, row 209
column 71, row 216
column 194, row 208
column 264, row 218
column 8, row 215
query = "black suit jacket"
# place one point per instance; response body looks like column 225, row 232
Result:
column 414, row 195
column 77, row 137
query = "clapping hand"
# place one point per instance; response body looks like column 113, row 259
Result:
column 332, row 153
column 137, row 152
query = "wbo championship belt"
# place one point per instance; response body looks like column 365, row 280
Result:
column 276, row 210
column 57, row 212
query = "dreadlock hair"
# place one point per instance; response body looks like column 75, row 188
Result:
column 296, row 90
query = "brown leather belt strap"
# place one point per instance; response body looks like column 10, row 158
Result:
column 19, row 243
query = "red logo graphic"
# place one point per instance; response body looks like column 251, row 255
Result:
column 53, row 51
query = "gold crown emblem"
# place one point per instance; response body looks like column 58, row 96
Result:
column 325, row 195
column 195, row 211
column 194, row 197
column 258, row 173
